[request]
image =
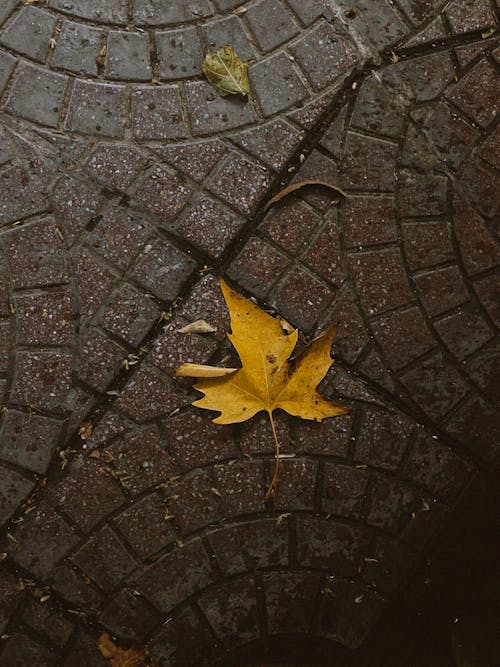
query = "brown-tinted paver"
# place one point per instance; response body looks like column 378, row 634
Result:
column 127, row 187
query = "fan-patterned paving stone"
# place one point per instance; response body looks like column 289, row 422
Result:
column 123, row 173
column 289, row 600
column 344, row 619
column 249, row 545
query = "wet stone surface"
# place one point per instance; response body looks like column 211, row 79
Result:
column 127, row 188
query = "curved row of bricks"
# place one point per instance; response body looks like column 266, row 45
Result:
column 106, row 236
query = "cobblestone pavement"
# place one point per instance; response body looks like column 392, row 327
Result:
column 126, row 187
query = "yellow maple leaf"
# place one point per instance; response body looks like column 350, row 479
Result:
column 120, row 657
column 267, row 380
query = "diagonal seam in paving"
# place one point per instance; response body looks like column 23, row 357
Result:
column 390, row 473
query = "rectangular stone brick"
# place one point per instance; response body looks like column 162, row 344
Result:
column 210, row 113
column 44, row 380
column 93, row 282
column 256, row 435
column 29, row 440
column 174, row 641
column 205, row 301
column 173, row 348
column 273, row 143
column 157, row 113
column 6, row 8
column 29, row 33
column 258, row 266
column 441, row 289
column 297, row 483
column 47, row 622
column 264, row 14
column 330, row 437
column 328, row 545
column 149, row 12
column 130, row 315
column 142, row 460
column 231, row 610
column 76, row 205
column 41, row 540
column 480, row 185
column 209, row 226
column 163, row 193
column 193, row 440
column 77, row 48
column 477, row 93
column 37, row 95
column 196, row 159
column 86, row 495
column 325, row 55
column 435, row 385
column 130, row 616
column 381, row 279
column 307, row 12
column 14, row 488
column 377, row 109
column 227, row 30
column 241, row 183
column 464, row 331
column 192, row 502
column 377, row 173
column 97, row 109
column 104, row 559
column 391, row 503
column 127, row 56
column 241, row 487
column 344, row 490
column 255, row 544
column 75, row 588
column 421, row 194
column 451, row 135
column 187, row 570
column 324, row 255
column 403, row 336
column 369, row 220
column 383, row 438
column 163, row 269
column 276, row 73
column 290, row 600
column 100, row 359
column 180, row 53
column 420, row 79
column 290, row 224
column 302, row 298
column 45, row 319
column 377, row 24
column 427, row 243
column 121, row 236
column 149, row 394
column 145, row 526
column 117, row 165
column 7, row 63
column 103, row 11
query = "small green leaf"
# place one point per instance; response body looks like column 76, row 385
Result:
column 226, row 72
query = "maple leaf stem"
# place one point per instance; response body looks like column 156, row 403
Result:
column 272, row 487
